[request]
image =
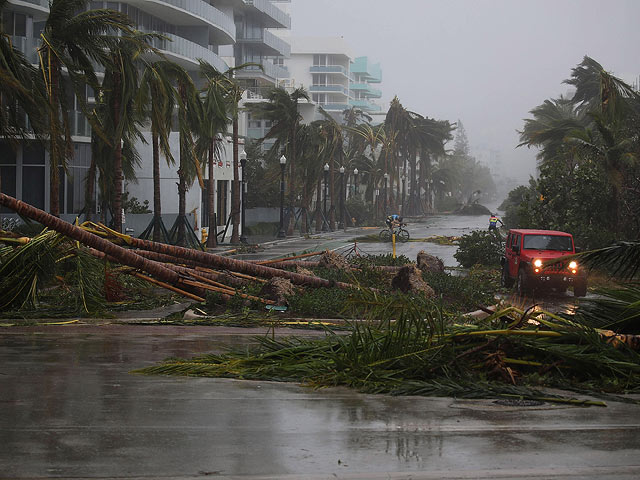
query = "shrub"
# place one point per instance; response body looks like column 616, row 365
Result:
column 479, row 248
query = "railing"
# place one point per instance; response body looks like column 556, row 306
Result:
column 334, row 106
column 329, row 88
column 271, row 40
column 208, row 12
column 329, row 69
column 365, row 105
column 40, row 3
column 266, row 7
column 269, row 69
column 188, row 50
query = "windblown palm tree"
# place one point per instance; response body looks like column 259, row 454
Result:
column 281, row 108
column 156, row 100
column 71, row 43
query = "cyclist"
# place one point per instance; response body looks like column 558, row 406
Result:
column 393, row 221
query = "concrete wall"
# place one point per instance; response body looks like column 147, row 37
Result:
column 254, row 216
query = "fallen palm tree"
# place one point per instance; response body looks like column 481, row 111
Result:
column 412, row 350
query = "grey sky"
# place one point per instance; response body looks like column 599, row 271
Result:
column 485, row 62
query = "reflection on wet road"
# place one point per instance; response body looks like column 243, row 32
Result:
column 71, row 409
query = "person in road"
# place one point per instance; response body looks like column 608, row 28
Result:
column 393, row 221
column 493, row 222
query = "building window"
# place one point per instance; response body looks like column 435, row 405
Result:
column 319, row 60
column 222, row 203
column 7, row 172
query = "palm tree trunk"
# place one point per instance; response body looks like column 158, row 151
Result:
column 318, row 205
column 182, row 181
column 226, row 263
column 124, row 256
column 55, row 152
column 157, row 202
column 213, row 229
column 332, row 210
column 235, row 193
column 117, row 161
column 292, row 179
column 303, row 226
column 90, row 188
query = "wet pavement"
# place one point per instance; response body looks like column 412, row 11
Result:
column 71, row 409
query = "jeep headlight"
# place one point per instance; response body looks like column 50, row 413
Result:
column 537, row 263
column 573, row 266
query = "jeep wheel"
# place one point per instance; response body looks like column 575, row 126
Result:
column 580, row 289
column 505, row 280
column 521, row 285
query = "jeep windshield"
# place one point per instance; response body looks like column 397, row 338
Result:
column 548, row 242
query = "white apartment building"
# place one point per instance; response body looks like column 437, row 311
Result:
column 221, row 32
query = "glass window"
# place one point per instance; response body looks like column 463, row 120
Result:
column 33, row 185
column 20, row 25
column 7, row 22
column 548, row 242
column 8, row 187
column 7, row 154
column 33, row 154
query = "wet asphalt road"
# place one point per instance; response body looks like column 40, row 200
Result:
column 69, row 408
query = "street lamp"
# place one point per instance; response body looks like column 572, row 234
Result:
column 342, row 193
column 326, row 192
column 243, row 164
column 386, row 177
column 355, row 180
column 283, row 162
column 404, row 184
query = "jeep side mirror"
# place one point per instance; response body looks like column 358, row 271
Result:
column 516, row 248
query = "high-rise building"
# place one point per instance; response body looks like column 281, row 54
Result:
column 224, row 33
column 335, row 79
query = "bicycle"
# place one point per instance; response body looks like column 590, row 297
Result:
column 401, row 233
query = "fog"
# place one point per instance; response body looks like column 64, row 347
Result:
column 486, row 63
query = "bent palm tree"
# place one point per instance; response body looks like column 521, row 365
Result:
column 281, row 109
column 71, row 42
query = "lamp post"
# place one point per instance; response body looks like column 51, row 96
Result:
column 283, row 162
column 342, row 194
column 404, row 184
column 386, row 177
column 243, row 164
column 355, row 180
column 324, row 208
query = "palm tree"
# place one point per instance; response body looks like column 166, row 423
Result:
column 123, row 117
column 189, row 117
column 215, row 113
column 598, row 123
column 156, row 100
column 281, row 108
column 71, row 42
column 21, row 91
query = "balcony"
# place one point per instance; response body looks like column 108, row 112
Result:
column 335, row 107
column 329, row 88
column 366, row 90
column 269, row 44
column 365, row 105
column 186, row 53
column 372, row 73
column 331, row 69
column 39, row 9
column 270, row 15
column 192, row 13
column 269, row 72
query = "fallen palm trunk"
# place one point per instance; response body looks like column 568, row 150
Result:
column 168, row 287
column 122, row 255
column 209, row 259
column 286, row 259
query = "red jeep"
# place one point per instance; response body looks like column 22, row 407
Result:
column 527, row 262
